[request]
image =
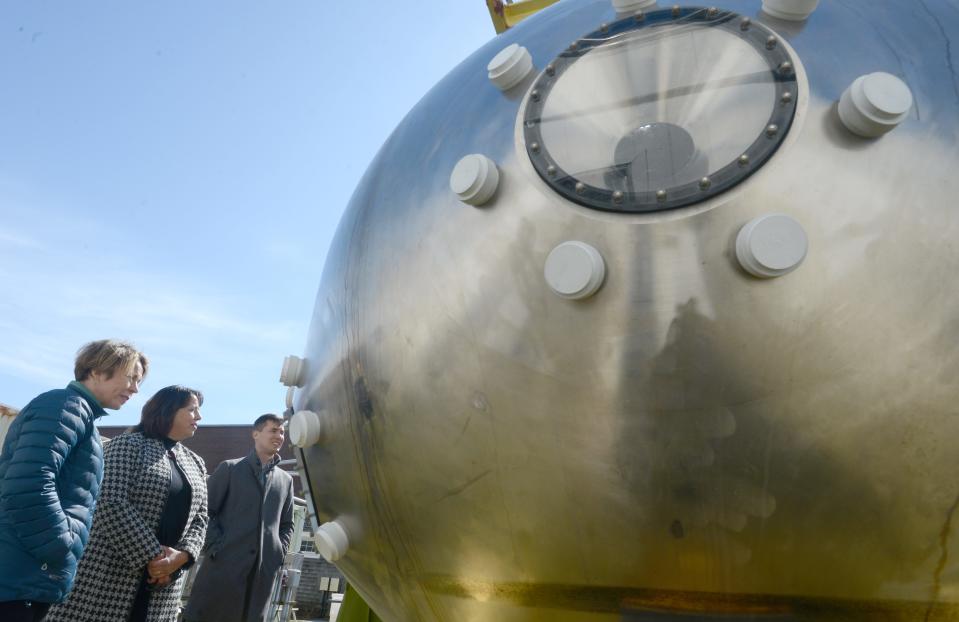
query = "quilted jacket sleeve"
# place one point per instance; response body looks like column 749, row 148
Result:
column 48, row 433
column 195, row 532
column 134, row 542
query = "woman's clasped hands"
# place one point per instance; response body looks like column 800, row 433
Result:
column 165, row 567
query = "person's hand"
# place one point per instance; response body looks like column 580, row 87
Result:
column 161, row 582
column 150, row 565
column 166, row 563
column 157, row 582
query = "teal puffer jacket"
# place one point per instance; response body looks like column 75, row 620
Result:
column 51, row 467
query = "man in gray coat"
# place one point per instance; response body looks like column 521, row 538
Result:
column 251, row 522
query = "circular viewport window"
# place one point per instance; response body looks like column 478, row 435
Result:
column 660, row 110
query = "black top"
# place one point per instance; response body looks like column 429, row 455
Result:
column 172, row 524
column 177, row 508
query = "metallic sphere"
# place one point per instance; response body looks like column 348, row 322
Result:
column 733, row 392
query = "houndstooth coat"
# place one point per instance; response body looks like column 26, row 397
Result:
column 136, row 481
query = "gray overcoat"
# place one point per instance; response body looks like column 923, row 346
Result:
column 136, row 483
column 250, row 528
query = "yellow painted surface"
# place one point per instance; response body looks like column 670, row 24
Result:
column 505, row 15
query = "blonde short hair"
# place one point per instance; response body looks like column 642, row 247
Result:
column 107, row 356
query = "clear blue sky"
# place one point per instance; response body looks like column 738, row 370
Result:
column 172, row 173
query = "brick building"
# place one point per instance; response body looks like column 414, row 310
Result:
column 214, row 443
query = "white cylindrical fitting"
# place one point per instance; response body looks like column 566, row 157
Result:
column 510, row 66
column 305, row 428
column 292, row 373
column 628, row 6
column 332, row 541
column 874, row 104
column 474, row 179
column 574, row 270
column 771, row 245
column 792, row 10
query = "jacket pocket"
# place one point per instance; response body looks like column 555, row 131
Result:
column 213, row 548
column 59, row 576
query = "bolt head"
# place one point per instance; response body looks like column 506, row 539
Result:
column 705, row 183
column 534, row 147
column 786, row 68
column 745, row 24
column 640, row 16
column 551, row 170
column 743, row 160
column 580, row 187
column 772, row 129
column 712, row 11
column 617, row 196
column 771, row 42
column 550, row 70
column 573, row 46
column 786, row 97
column 676, row 10
column 604, row 28
column 534, row 95
column 660, row 195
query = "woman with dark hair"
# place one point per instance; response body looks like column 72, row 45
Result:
column 150, row 520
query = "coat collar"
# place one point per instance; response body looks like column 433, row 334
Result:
column 254, row 461
column 82, row 389
column 256, row 467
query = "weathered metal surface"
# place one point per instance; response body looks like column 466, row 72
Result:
column 689, row 438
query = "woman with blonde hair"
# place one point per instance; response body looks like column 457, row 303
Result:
column 51, row 467
column 150, row 521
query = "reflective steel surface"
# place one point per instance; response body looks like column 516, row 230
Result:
column 689, row 441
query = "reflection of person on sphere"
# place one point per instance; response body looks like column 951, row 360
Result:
column 251, row 525
column 691, row 461
column 150, row 520
column 50, row 474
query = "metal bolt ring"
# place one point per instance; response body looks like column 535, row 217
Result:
column 568, row 185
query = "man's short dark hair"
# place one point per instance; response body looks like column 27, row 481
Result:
column 260, row 422
column 156, row 419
